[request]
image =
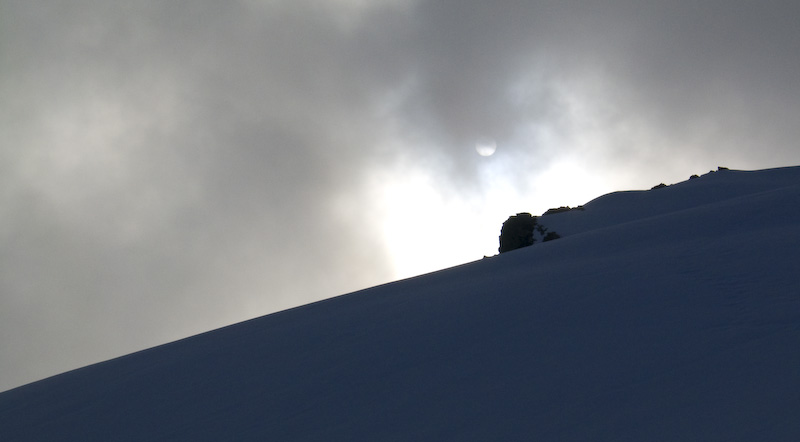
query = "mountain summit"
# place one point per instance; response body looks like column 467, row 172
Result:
column 669, row 314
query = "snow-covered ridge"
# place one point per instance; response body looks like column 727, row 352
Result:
column 626, row 206
column 671, row 314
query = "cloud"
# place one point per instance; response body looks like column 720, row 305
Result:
column 171, row 167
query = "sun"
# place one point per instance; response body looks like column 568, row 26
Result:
column 485, row 147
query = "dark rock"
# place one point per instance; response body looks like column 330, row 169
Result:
column 561, row 209
column 517, row 232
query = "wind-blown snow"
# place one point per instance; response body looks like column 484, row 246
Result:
column 670, row 314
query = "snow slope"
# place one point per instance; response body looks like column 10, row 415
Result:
column 671, row 314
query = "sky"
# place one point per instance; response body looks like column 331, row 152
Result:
column 167, row 168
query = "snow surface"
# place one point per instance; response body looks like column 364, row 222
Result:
column 663, row 315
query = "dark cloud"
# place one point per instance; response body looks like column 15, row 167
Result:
column 704, row 79
column 169, row 168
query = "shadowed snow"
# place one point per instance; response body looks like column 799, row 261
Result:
column 671, row 314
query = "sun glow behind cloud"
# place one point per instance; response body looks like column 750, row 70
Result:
column 433, row 216
column 418, row 223
column 427, row 225
column 430, row 220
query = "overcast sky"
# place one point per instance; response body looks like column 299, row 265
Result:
column 167, row 168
